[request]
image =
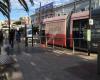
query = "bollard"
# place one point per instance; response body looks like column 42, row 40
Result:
column 46, row 42
column 40, row 40
column 53, row 43
column 73, row 47
column 98, row 59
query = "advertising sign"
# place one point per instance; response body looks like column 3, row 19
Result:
column 88, row 35
column 45, row 7
column 90, row 21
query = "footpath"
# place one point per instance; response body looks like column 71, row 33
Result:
column 39, row 63
column 16, row 74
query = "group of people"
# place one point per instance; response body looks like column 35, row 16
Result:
column 13, row 34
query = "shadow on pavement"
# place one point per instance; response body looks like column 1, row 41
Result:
column 85, row 71
column 41, row 64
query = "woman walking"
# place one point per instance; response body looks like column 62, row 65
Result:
column 18, row 37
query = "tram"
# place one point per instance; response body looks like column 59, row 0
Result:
column 63, row 30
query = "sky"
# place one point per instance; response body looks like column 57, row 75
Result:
column 17, row 10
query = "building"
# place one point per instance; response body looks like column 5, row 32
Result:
column 43, row 12
column 1, row 23
column 33, row 19
column 50, row 10
column 6, row 23
column 25, row 20
column 79, row 5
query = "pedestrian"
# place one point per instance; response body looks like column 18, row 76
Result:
column 18, row 36
column 1, row 40
column 11, row 37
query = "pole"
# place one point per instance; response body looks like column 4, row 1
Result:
column 26, row 38
column 53, row 42
column 73, row 37
column 40, row 22
column 89, row 27
column 26, row 44
column 74, row 6
column 73, row 47
column 46, row 41
column 32, row 33
column 9, row 26
column 90, row 10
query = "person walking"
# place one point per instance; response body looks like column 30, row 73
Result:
column 18, row 36
column 11, row 37
column 1, row 40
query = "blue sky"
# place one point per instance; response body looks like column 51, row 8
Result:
column 18, row 11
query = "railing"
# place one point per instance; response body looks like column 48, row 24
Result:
column 52, row 41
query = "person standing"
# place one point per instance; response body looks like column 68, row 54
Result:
column 1, row 40
column 18, row 36
column 11, row 37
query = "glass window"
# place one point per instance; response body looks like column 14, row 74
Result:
column 96, row 29
column 30, row 32
column 97, row 23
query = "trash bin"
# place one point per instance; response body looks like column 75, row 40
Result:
column 98, row 58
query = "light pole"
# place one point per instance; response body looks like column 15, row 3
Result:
column 32, row 32
column 73, row 36
column 26, row 43
column 40, row 22
column 89, row 29
column 74, row 6
column 26, row 37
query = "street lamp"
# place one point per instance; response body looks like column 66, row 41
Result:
column 40, row 22
column 89, row 28
column 32, row 32
column 40, row 16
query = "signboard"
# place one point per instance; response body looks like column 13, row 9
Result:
column 45, row 7
column 90, row 21
column 88, row 35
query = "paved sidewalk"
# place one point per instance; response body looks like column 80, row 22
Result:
column 46, row 64
column 16, row 74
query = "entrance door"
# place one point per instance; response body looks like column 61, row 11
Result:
column 78, row 29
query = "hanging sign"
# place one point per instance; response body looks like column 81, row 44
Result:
column 90, row 21
column 88, row 35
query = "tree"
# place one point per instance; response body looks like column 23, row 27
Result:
column 5, row 7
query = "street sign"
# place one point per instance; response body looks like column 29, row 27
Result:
column 88, row 35
column 90, row 21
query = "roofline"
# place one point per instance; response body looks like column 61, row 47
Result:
column 71, row 3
